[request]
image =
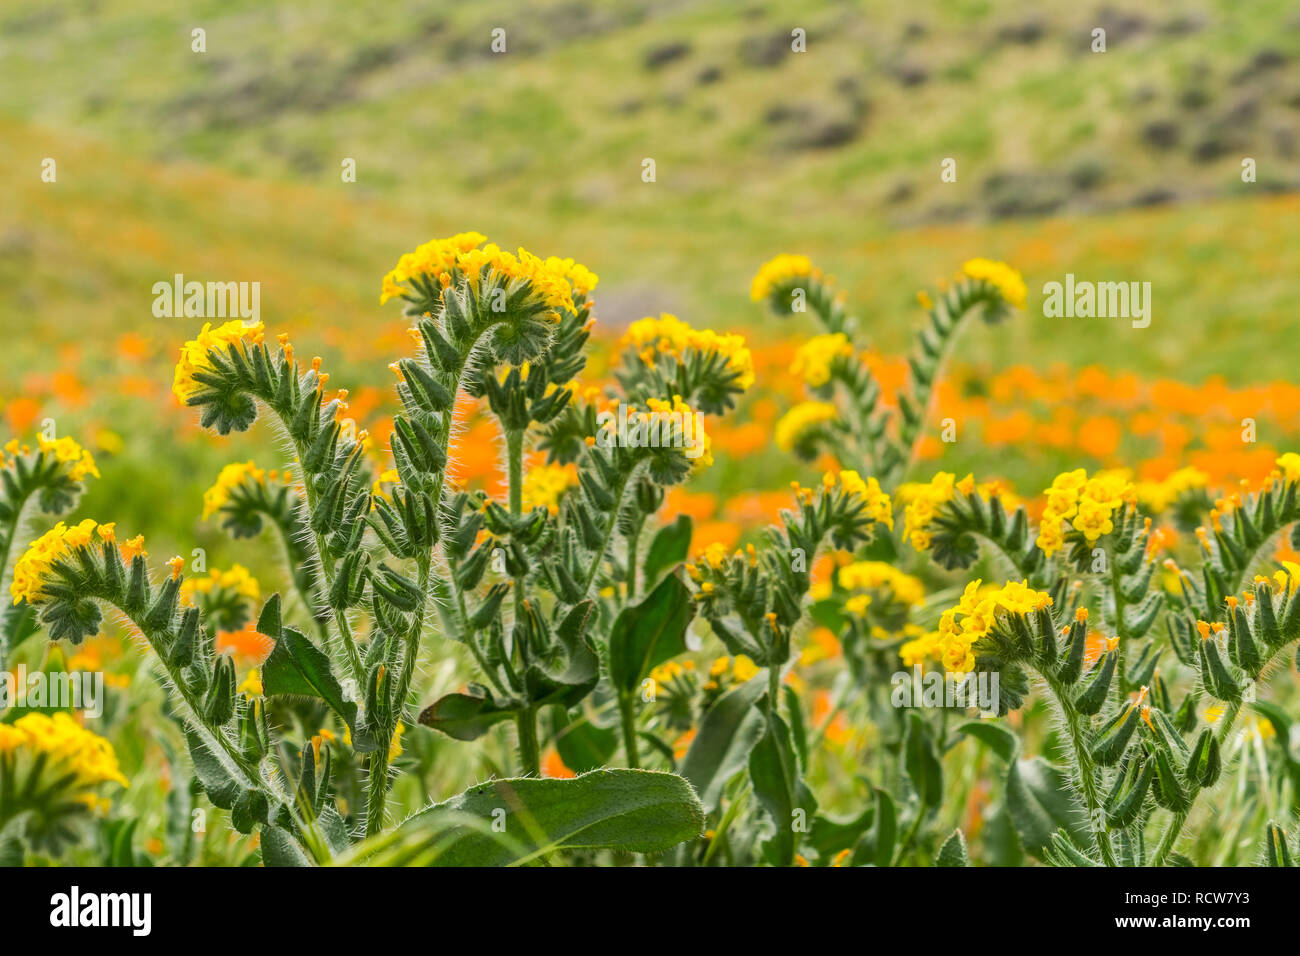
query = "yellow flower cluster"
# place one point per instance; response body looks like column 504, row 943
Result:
column 923, row 502
column 692, row 424
column 670, row 670
column 436, row 258
column 879, row 505
column 999, row 275
column 877, row 575
column 962, row 626
column 1157, row 496
column 70, row 751
column 233, row 476
column 928, row 645
column 194, row 353
column 800, row 419
column 813, row 359
column 59, row 542
column 582, row 279
column 737, row 669
column 671, row 335
column 544, row 485
column 1290, row 465
column 1090, row 502
column 776, row 271
column 551, row 280
column 237, row 579
column 65, row 451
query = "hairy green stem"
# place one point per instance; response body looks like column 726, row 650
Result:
column 633, row 565
column 626, row 707
column 590, row 577
column 1085, row 770
column 529, row 754
column 1231, row 712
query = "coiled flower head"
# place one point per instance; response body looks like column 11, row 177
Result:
column 194, row 353
column 813, row 360
column 777, row 276
column 550, row 283
column 1008, row 282
column 65, row 451
column 713, row 367
column 976, row 616
column 1088, row 504
column 85, row 758
column 232, row 476
column 56, row 544
column 799, row 427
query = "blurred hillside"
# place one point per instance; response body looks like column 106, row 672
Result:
column 758, row 149
column 226, row 165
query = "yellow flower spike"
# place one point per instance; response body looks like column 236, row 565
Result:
column 106, row 531
column 194, row 353
column 175, row 563
column 33, row 567
column 779, row 270
column 1081, row 614
column 795, row 424
column 1001, row 276
column 66, row 451
column 230, row 478
column 814, row 358
column 1112, row 643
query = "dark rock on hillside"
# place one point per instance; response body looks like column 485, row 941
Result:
column 665, row 53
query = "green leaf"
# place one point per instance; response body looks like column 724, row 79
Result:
column 995, row 736
column 884, row 832
column 1040, row 799
column 574, row 671
column 1276, row 851
column 647, row 634
column 465, row 716
column 829, row 836
column 640, row 811
column 953, row 852
column 222, row 788
column 268, row 622
column 721, row 747
column 774, row 774
column 922, row 762
column 298, row 668
column 669, row 547
column 279, row 848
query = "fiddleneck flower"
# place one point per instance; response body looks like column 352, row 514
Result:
column 1008, row 282
column 778, row 271
column 552, row 281
column 795, row 424
column 194, row 353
